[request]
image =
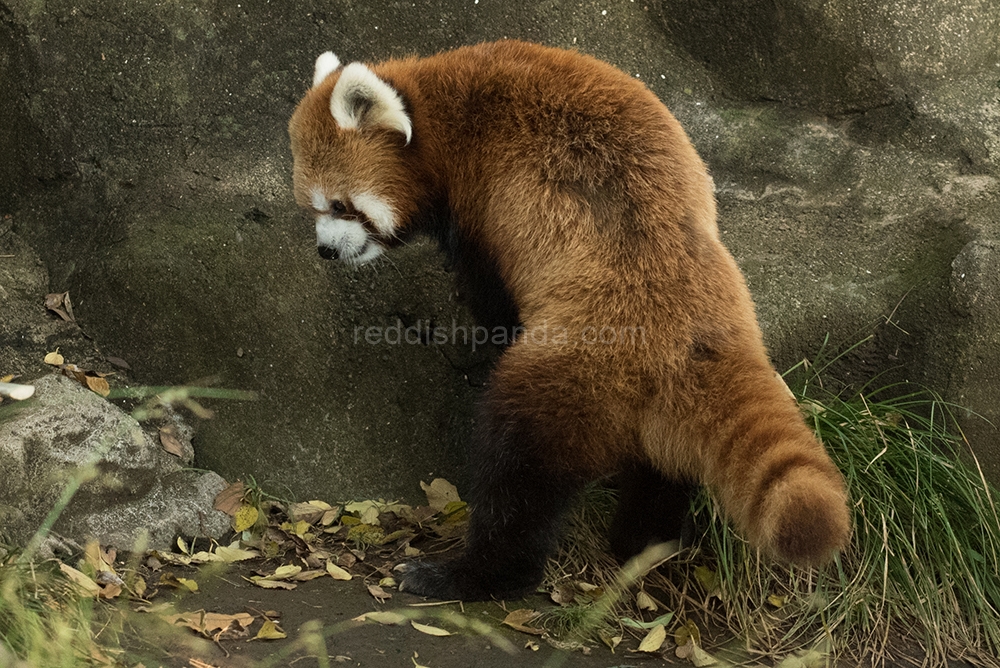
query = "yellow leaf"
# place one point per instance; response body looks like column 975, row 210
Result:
column 654, row 639
column 611, row 641
column 245, row 518
column 336, row 572
column 777, row 601
column 284, row 572
column 272, row 584
column 55, row 359
column 414, row 660
column 300, row 528
column 430, row 630
column 233, row 553
column 190, row 585
column 707, row 578
column 84, row 584
column 270, row 631
column 685, row 631
column 183, row 546
column 645, row 602
column 388, row 581
column 384, row 617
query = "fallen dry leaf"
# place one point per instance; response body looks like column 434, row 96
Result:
column 230, row 499
column 336, row 572
column 380, row 594
column 271, row 584
column 270, row 631
column 84, row 585
column 97, row 385
column 654, row 639
column 212, row 624
column 54, row 358
column 233, row 553
column 440, row 493
column 687, row 630
column 245, row 518
column 695, row 654
column 563, row 593
column 429, row 630
column 170, row 442
column 644, row 601
column 519, row 619
column 117, row 361
column 60, row 304
column 384, row 617
column 310, row 511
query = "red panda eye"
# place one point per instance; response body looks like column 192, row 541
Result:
column 336, row 206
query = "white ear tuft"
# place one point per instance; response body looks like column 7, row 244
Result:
column 360, row 99
column 326, row 63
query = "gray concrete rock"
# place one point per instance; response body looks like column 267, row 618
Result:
column 135, row 492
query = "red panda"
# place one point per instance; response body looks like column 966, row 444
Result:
column 572, row 201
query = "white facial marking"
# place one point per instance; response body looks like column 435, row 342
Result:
column 378, row 211
column 319, row 200
column 361, row 99
column 348, row 238
column 325, row 64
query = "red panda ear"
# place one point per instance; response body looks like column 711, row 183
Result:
column 325, row 64
column 360, row 100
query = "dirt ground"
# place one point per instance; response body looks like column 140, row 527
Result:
column 334, row 604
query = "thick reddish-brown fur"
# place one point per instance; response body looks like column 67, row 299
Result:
column 576, row 187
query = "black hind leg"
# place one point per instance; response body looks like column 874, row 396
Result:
column 651, row 509
column 517, row 506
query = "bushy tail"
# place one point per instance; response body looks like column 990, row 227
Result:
column 774, row 479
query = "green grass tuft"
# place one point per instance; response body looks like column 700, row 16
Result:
column 919, row 581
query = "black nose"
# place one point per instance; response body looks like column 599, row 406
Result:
column 327, row 252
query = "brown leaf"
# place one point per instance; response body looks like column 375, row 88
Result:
column 97, row 385
column 380, row 594
column 563, row 593
column 518, row 619
column 172, row 444
column 117, row 361
column 60, row 304
column 84, row 585
column 212, row 624
column 440, row 493
column 230, row 499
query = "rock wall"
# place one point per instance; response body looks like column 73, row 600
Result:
column 854, row 149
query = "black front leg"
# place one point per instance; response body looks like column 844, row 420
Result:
column 517, row 505
column 652, row 508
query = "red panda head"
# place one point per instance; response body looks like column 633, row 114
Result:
column 349, row 135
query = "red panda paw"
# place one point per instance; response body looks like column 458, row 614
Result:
column 805, row 520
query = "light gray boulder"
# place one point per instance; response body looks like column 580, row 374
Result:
column 135, row 495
